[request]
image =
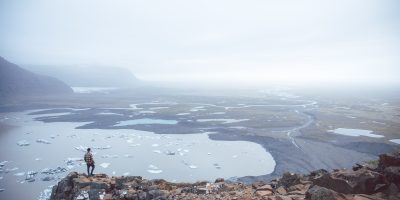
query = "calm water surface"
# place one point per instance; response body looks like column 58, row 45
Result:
column 33, row 146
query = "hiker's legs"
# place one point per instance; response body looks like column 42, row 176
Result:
column 88, row 166
column 91, row 173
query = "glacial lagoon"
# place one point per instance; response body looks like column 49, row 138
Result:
column 35, row 155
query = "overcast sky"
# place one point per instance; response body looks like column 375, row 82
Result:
column 248, row 40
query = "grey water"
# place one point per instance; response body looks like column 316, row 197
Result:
column 35, row 155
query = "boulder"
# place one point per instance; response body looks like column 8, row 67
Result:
column 362, row 181
column 265, row 187
column 389, row 159
column 280, row 197
column 219, row 180
column 364, row 197
column 263, row 193
column 392, row 174
column 281, row 190
column 338, row 185
column 289, row 179
column 321, row 193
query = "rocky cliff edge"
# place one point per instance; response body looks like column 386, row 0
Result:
column 365, row 181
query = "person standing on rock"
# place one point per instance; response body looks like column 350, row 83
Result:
column 89, row 162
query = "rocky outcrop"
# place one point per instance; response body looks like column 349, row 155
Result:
column 16, row 81
column 374, row 181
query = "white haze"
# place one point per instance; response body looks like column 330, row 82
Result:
column 253, row 41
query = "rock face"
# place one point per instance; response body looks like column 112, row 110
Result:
column 15, row 81
column 363, row 183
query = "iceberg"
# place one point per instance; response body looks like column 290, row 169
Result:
column 23, row 143
column 43, row 141
column 154, row 171
column 105, row 165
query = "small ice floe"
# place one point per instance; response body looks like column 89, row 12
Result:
column 238, row 127
column 129, row 141
column 126, row 174
column 30, row 176
column 135, row 145
column 113, row 173
column 38, row 159
column 20, row 174
column 105, row 165
column 48, row 178
column 234, row 156
column 208, row 153
column 68, row 160
column 158, row 108
column 147, row 112
column 196, row 109
column 110, row 113
column 1, row 177
column 50, row 171
column 170, row 153
column 22, row 143
column 157, row 151
column 102, row 148
column 73, row 162
column 81, row 148
column 30, row 180
column 128, row 156
column 10, row 170
column 182, row 152
column 43, row 141
column 2, row 163
column 154, row 169
column 83, row 195
column 101, row 195
column 155, row 145
column 217, row 166
column 192, row 166
column 52, row 136
column 217, row 113
column 45, row 194
column 182, row 114
column 376, row 122
column 110, row 156
column 2, row 189
column 134, row 107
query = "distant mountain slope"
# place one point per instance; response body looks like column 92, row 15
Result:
column 16, row 81
column 89, row 76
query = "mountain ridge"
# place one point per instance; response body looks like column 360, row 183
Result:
column 16, row 81
column 89, row 76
